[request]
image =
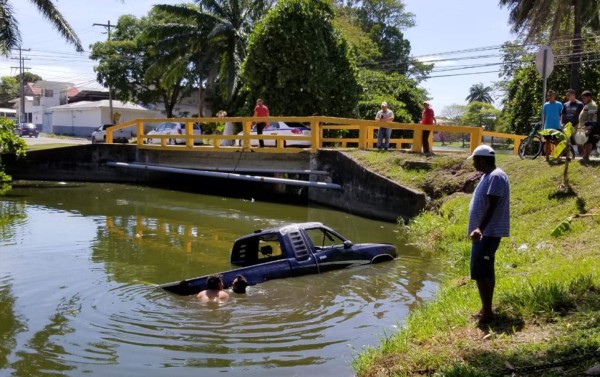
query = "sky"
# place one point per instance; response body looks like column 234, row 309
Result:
column 443, row 27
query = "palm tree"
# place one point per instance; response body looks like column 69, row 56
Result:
column 10, row 37
column 216, row 33
column 480, row 93
column 533, row 18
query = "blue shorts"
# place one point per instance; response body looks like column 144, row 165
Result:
column 483, row 255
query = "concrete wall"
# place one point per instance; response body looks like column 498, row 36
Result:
column 363, row 192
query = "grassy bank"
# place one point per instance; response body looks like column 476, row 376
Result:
column 548, row 290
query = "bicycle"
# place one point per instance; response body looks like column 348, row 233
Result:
column 533, row 145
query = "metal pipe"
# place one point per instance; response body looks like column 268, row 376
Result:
column 252, row 170
column 214, row 174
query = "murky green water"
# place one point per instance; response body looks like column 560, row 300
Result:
column 78, row 265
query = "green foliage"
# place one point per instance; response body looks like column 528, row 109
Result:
column 135, row 69
column 9, row 143
column 299, row 64
column 10, row 36
column 480, row 93
column 481, row 114
column 383, row 21
column 9, row 90
column 547, row 291
column 400, row 92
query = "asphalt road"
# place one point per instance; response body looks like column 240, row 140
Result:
column 41, row 140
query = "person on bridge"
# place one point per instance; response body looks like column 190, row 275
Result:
column 384, row 133
column 427, row 117
column 489, row 221
column 261, row 111
column 214, row 291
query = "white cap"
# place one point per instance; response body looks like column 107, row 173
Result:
column 384, row 104
column 484, row 151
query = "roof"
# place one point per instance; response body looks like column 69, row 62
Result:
column 283, row 229
column 100, row 104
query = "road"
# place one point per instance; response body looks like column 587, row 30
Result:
column 41, row 140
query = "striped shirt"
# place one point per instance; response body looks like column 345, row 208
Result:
column 492, row 184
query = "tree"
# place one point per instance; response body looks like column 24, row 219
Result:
column 563, row 19
column 9, row 143
column 383, row 21
column 400, row 92
column 481, row 114
column 298, row 63
column 216, row 34
column 125, row 63
column 10, row 36
column 9, row 90
column 480, row 93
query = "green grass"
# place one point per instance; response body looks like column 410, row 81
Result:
column 40, row 147
column 547, row 296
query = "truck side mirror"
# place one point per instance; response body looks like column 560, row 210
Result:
column 348, row 244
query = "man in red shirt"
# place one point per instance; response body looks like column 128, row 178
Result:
column 261, row 111
column 427, row 117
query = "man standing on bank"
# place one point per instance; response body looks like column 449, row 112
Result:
column 427, row 117
column 261, row 111
column 384, row 115
column 489, row 221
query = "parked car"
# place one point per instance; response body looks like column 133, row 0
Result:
column 281, row 128
column 175, row 129
column 290, row 250
column 29, row 129
column 119, row 136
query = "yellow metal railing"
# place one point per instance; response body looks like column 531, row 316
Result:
column 362, row 131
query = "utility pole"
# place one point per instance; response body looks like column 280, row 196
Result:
column 108, row 26
column 22, row 68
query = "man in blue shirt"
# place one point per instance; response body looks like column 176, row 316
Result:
column 551, row 113
column 489, row 221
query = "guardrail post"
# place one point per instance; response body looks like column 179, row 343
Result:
column 363, row 136
column 417, row 144
column 315, row 133
column 189, row 133
column 247, row 126
column 476, row 134
column 109, row 136
column 140, row 132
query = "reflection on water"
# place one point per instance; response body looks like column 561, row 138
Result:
column 83, row 262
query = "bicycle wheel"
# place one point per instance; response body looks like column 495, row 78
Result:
column 530, row 147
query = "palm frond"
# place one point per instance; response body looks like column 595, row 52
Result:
column 9, row 29
column 48, row 10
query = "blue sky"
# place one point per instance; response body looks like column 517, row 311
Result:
column 442, row 26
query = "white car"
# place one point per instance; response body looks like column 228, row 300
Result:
column 281, row 128
column 119, row 136
column 175, row 129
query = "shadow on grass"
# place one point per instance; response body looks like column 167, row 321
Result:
column 502, row 323
column 559, row 360
column 563, row 193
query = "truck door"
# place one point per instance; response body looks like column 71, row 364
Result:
column 302, row 260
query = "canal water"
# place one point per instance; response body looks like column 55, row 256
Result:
column 79, row 265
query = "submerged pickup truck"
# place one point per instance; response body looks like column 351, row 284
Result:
column 119, row 136
column 290, row 250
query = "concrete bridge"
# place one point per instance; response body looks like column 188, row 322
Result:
column 320, row 173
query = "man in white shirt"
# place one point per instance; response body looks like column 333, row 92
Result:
column 384, row 115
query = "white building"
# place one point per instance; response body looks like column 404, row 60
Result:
column 39, row 97
column 82, row 118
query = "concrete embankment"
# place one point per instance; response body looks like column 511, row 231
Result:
column 363, row 191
